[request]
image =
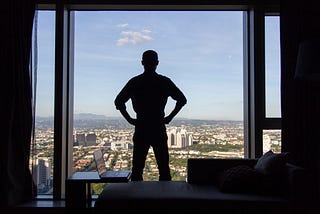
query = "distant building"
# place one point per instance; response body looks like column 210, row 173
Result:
column 178, row 138
column 82, row 139
column 91, row 139
column 171, row 137
column 121, row 145
column 107, row 144
column 41, row 175
column 266, row 143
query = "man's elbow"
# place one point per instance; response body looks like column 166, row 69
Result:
column 119, row 105
column 182, row 102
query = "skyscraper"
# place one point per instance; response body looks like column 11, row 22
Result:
column 178, row 138
column 91, row 139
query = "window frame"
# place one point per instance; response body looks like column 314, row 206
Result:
column 255, row 120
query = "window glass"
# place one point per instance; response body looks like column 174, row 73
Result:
column 41, row 160
column 272, row 60
column 272, row 140
column 201, row 51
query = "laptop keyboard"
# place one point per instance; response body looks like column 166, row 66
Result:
column 115, row 174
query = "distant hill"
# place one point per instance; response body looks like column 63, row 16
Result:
column 90, row 120
column 89, row 116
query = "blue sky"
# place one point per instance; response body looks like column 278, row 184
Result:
column 200, row 51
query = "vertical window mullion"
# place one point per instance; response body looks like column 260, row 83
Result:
column 60, row 105
column 259, row 78
column 254, row 82
column 70, row 93
column 246, row 85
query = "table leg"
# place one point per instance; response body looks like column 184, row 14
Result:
column 76, row 196
column 89, row 195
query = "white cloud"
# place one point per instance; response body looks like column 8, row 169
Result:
column 146, row 31
column 134, row 37
column 123, row 41
column 123, row 25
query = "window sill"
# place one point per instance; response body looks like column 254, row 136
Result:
column 43, row 203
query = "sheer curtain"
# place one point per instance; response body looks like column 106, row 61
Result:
column 16, row 111
column 33, row 75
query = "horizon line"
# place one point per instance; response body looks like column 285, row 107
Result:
column 120, row 117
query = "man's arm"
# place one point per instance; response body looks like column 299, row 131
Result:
column 181, row 100
column 120, row 103
column 174, row 112
column 126, row 115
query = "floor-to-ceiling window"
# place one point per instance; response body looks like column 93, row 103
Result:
column 201, row 50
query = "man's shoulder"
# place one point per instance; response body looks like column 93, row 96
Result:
column 143, row 77
column 135, row 78
column 163, row 77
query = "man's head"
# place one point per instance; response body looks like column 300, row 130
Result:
column 150, row 59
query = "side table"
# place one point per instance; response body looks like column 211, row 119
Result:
column 78, row 189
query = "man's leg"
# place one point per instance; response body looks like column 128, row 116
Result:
column 140, row 151
column 162, row 156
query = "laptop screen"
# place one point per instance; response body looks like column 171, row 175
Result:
column 98, row 157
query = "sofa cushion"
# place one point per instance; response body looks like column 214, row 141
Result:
column 241, row 178
column 273, row 167
column 272, row 163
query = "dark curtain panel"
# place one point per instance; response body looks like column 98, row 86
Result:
column 16, row 101
column 300, row 100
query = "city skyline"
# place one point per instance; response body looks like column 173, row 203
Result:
column 199, row 50
column 199, row 139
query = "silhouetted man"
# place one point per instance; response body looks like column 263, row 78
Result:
column 149, row 93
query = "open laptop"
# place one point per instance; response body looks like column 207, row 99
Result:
column 109, row 175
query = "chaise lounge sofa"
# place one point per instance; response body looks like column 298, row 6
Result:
column 212, row 186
